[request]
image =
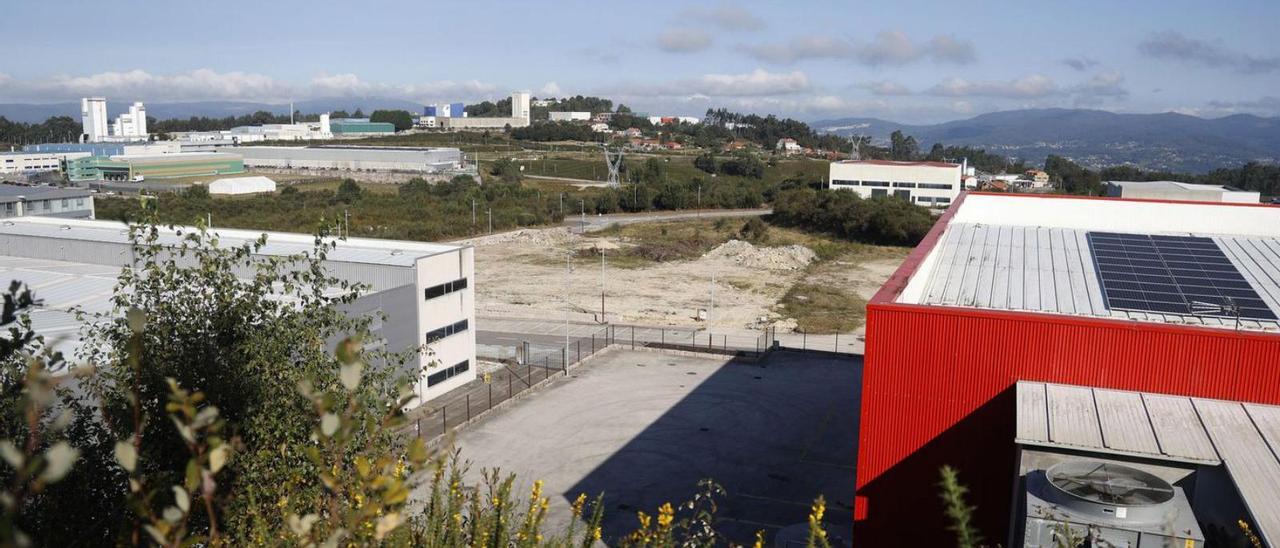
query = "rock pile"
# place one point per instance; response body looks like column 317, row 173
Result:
column 792, row 257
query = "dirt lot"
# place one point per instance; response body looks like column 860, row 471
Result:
column 661, row 273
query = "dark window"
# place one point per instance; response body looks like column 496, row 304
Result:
column 446, row 288
column 448, row 373
column 448, row 330
column 942, row 200
column 935, row 186
column 879, row 192
column 844, row 182
column 904, row 194
column 875, row 183
column 904, row 185
column 65, row 203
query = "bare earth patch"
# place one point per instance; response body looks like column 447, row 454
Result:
column 523, row 273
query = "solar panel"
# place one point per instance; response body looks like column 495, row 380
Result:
column 1183, row 275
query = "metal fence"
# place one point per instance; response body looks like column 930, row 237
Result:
column 519, row 373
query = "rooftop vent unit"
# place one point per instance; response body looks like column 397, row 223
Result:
column 1107, row 504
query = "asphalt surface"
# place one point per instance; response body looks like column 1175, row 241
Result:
column 642, row 428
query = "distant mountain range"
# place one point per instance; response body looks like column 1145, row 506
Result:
column 1094, row 138
column 32, row 113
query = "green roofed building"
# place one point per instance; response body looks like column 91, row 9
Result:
column 153, row 166
column 360, row 126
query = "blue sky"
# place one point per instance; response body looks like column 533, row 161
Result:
column 906, row 61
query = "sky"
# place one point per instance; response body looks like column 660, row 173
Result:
column 912, row 62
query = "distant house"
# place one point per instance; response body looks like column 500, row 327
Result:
column 1038, row 178
column 631, row 132
column 997, row 185
column 788, row 146
column 672, row 145
column 739, row 144
column 602, row 117
column 600, row 128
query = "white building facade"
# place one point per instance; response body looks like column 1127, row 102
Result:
column 930, row 184
column 418, row 295
column 93, row 119
column 35, row 162
column 569, row 116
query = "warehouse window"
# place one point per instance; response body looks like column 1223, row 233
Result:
column 875, row 183
column 904, row 185
column 79, row 202
column 446, row 331
column 942, row 200
column 844, row 182
column 879, row 192
column 448, row 373
column 65, row 203
column 935, row 186
column 445, row 288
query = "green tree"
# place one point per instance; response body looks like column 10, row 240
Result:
column 705, row 162
column 349, row 191
column 937, row 153
column 401, row 119
column 902, row 147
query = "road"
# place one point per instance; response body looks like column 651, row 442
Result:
column 600, row 222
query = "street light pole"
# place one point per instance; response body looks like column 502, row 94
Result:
column 582, row 223
column 602, row 285
column 491, row 220
column 712, row 310
column 568, row 266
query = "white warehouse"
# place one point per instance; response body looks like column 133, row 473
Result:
column 353, row 158
column 930, row 184
column 424, row 291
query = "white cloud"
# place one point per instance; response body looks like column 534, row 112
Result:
column 887, row 48
column 756, row 83
column 1103, row 86
column 726, row 16
column 201, row 84
column 684, row 40
column 1179, row 47
column 550, row 89
column 1028, row 87
column 210, row 85
column 886, row 87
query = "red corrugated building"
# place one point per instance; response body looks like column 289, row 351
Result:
column 1010, row 287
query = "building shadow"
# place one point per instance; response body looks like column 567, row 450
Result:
column 774, row 434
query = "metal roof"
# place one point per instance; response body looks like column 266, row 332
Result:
column 42, row 192
column 397, row 253
column 1243, row 437
column 1051, row 270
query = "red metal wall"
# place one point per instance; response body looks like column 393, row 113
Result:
column 937, row 389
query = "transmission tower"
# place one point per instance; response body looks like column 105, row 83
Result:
column 614, row 161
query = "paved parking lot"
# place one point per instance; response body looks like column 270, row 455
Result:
column 644, row 427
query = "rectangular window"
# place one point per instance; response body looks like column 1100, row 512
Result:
column 924, row 199
column 936, row 186
column 448, row 373
column 47, row 204
column 79, row 202
column 65, row 203
column 875, row 183
column 446, row 331
column 843, row 182
column 942, row 200
column 445, row 288
column 904, row 194
column 904, row 185
column 879, row 192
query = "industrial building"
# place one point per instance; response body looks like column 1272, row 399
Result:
column 128, row 126
column 1175, row 300
column 107, row 149
column 35, row 162
column 235, row 186
column 520, row 115
column 1174, row 190
column 353, row 158
column 135, row 167
column 43, row 200
column 360, row 127
column 302, row 131
column 930, row 184
column 416, row 293
column 569, row 116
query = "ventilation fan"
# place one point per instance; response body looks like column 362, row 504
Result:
column 1109, row 484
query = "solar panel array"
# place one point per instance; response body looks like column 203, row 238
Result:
column 1172, row 275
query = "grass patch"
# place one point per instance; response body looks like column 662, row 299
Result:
column 822, row 308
